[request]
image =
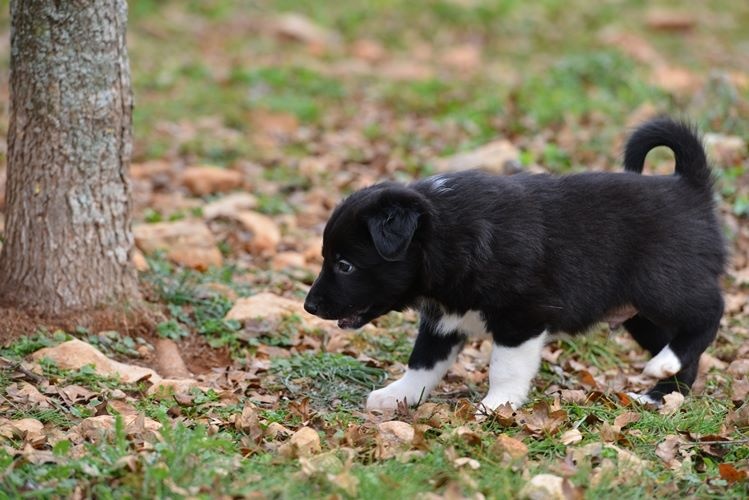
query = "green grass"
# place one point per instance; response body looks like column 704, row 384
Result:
column 204, row 71
column 332, row 378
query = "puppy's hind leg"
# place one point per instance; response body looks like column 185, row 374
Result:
column 650, row 336
column 432, row 356
column 677, row 362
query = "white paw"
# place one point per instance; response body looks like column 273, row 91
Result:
column 643, row 399
column 495, row 399
column 388, row 397
column 665, row 364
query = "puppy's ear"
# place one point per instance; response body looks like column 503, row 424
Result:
column 392, row 231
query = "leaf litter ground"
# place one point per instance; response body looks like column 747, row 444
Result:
column 251, row 122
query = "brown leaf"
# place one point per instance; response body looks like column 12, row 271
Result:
column 670, row 20
column 541, row 420
column 169, row 360
column 303, row 443
column 513, row 447
column 731, row 474
column 738, row 367
column 576, row 396
column 248, row 421
column 626, row 418
column 38, row 457
column 587, row 379
column 503, row 415
column 467, row 435
column 668, row 449
column 77, row 394
column 738, row 419
column 608, row 433
column 739, row 389
column 571, row 436
column 671, row 403
column 465, row 411
column 25, row 393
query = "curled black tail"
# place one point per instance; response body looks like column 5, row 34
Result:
column 681, row 138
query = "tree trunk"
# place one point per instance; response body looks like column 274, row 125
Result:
column 68, row 240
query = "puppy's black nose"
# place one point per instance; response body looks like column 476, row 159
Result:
column 310, row 307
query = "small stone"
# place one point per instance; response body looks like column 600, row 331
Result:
column 75, row 354
column 205, row 180
column 229, row 205
column 493, row 157
column 368, row 50
column 286, row 260
column 463, row 57
column 187, row 242
column 395, row 430
column 265, row 233
column 272, row 309
column 296, row 27
column 544, row 487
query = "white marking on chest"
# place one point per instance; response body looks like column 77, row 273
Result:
column 471, row 324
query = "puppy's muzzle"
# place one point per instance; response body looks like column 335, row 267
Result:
column 311, row 306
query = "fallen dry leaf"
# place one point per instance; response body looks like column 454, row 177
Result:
column 169, row 361
column 671, row 403
column 571, row 436
column 513, row 447
column 731, row 473
column 626, row 418
column 249, row 422
column 668, row 449
column 670, row 19
column 303, row 443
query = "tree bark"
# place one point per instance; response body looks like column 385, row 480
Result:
column 68, row 240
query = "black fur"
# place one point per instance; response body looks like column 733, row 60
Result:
column 538, row 252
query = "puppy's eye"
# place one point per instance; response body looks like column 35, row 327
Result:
column 344, row 267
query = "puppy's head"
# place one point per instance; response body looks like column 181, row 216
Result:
column 372, row 255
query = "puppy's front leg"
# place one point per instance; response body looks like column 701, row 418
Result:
column 433, row 354
column 511, row 372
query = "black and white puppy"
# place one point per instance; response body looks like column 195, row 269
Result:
column 522, row 256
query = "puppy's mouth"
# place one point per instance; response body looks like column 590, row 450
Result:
column 361, row 318
column 354, row 321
